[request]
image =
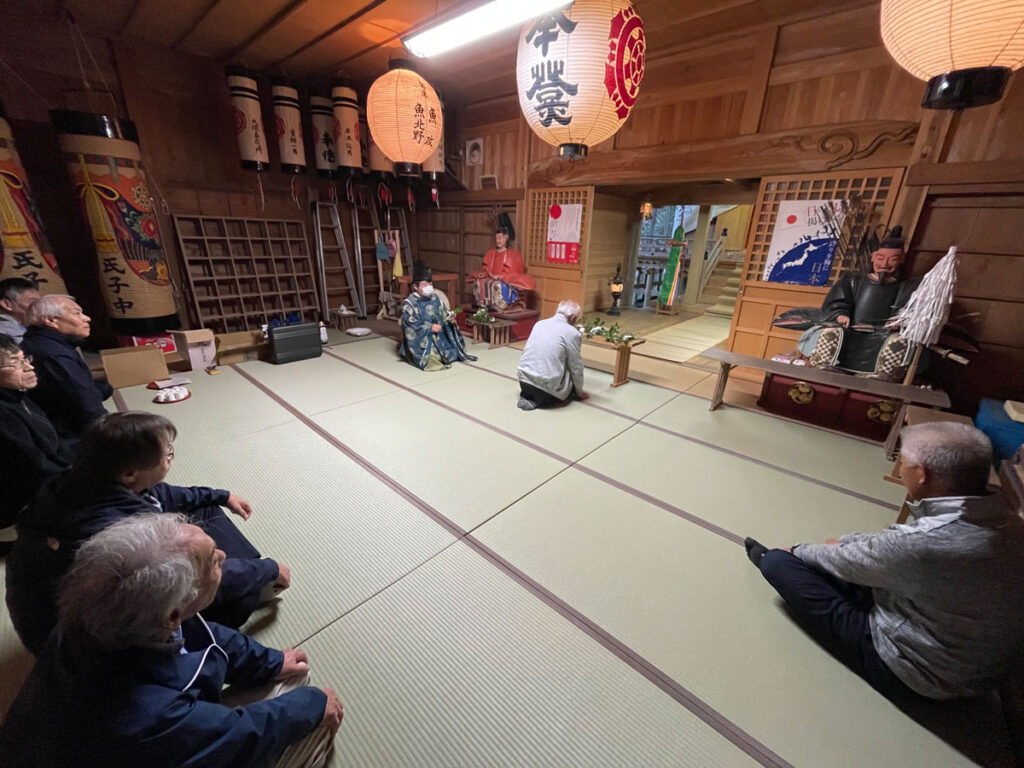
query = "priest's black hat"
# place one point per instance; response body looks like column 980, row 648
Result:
column 894, row 239
column 421, row 272
column 505, row 225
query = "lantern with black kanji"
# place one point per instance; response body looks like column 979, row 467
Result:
column 578, row 72
column 346, row 115
column 405, row 118
column 288, row 121
column 248, row 118
column 326, row 132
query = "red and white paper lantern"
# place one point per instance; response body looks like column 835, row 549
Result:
column 578, row 72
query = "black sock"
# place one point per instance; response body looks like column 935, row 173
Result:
column 755, row 550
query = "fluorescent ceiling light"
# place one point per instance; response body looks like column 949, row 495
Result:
column 478, row 23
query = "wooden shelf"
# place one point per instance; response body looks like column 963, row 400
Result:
column 244, row 272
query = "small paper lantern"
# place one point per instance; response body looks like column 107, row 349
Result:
column 248, row 118
column 326, row 132
column 405, row 119
column 346, row 114
column 578, row 72
column 964, row 49
column 288, row 121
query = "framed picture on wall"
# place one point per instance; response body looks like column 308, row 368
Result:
column 474, row 152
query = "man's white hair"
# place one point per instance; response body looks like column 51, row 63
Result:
column 128, row 578
column 958, row 456
column 45, row 307
column 569, row 309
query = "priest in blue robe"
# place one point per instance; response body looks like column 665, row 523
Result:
column 430, row 338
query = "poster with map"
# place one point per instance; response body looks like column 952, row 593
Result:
column 803, row 246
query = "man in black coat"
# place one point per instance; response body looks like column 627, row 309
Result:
column 31, row 449
column 66, row 391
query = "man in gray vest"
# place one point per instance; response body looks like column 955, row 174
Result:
column 932, row 608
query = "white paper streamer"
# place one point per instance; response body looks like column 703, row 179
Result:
column 921, row 320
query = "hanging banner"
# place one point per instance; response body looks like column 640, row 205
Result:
column 110, row 180
column 24, row 251
column 802, row 247
column 564, row 225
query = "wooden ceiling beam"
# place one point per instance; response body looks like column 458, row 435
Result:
column 199, row 19
column 867, row 144
column 129, row 18
column 273, row 22
column 328, row 32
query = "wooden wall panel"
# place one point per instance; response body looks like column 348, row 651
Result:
column 990, row 133
column 610, row 236
column 988, row 230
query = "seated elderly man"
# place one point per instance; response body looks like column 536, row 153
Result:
column 16, row 293
column 29, row 445
column 118, row 473
column 551, row 366
column 66, row 389
column 134, row 675
column 933, row 608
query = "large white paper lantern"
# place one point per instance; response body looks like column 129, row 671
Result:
column 405, row 118
column 965, row 49
column 579, row 71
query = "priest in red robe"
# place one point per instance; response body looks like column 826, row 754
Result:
column 498, row 284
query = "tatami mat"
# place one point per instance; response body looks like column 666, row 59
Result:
column 318, row 384
column 381, row 355
column 685, row 340
column 689, row 602
column 744, row 498
column 460, row 666
column 844, row 461
column 460, row 468
column 221, row 406
column 343, row 534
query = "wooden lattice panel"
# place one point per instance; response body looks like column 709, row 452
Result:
column 246, row 272
column 877, row 188
column 540, row 202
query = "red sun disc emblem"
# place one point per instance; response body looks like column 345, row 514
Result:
column 791, row 219
column 240, row 119
column 556, row 211
column 627, row 55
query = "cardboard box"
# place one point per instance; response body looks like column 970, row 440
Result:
column 240, row 346
column 197, row 348
column 163, row 340
column 131, row 366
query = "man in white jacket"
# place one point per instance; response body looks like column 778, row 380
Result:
column 551, row 366
column 933, row 608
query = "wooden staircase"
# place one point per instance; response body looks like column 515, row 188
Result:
column 722, row 288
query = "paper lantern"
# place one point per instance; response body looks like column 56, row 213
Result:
column 380, row 164
column 103, row 159
column 964, row 49
column 405, row 119
column 288, row 121
column 325, row 136
column 433, row 166
column 346, row 115
column 24, row 250
column 248, row 119
column 578, row 72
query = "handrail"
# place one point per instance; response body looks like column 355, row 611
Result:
column 713, row 257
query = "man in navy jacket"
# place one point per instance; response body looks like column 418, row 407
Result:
column 66, row 391
column 134, row 675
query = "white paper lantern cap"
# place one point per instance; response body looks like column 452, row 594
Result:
column 404, row 115
column 964, row 49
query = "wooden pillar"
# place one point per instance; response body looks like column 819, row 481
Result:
column 700, row 244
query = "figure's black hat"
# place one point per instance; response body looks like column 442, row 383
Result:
column 505, row 225
column 894, row 239
column 421, row 272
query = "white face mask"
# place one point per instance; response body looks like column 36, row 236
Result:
column 427, row 290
